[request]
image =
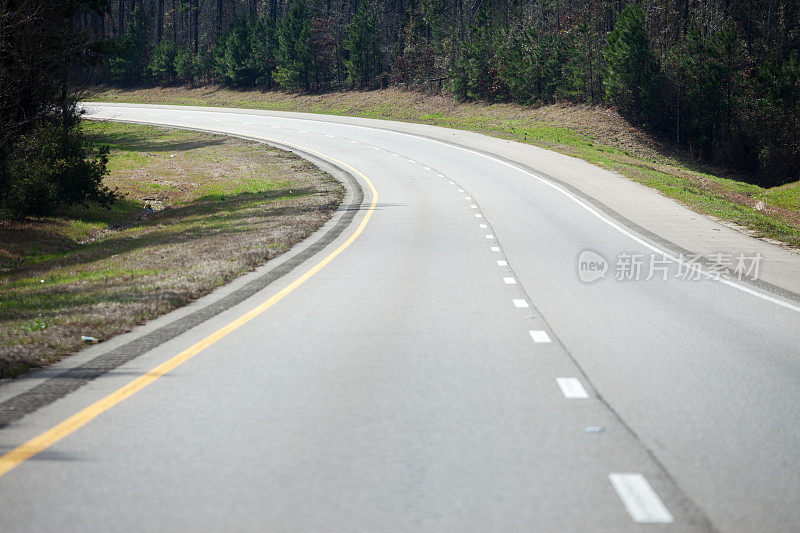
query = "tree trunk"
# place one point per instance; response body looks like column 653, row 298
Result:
column 196, row 25
column 769, row 24
column 160, row 20
column 273, row 10
column 219, row 17
column 175, row 21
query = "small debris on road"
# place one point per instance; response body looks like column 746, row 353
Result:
column 594, row 429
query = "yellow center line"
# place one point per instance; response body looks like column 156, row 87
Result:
column 38, row 444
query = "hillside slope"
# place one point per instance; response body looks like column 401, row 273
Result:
column 596, row 134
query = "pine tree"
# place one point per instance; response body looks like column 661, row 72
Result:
column 775, row 116
column 263, row 51
column 235, row 66
column 631, row 65
column 415, row 63
column 129, row 64
column 476, row 74
column 583, row 62
column 363, row 63
column 162, row 63
column 186, row 66
column 708, row 70
column 294, row 71
column 531, row 65
column 324, row 44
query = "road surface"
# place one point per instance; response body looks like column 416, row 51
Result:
column 439, row 357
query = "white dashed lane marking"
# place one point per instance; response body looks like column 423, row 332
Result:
column 639, row 498
column 502, row 263
column 473, row 206
column 509, row 281
column 539, row 336
column 478, row 215
column 490, row 236
column 483, row 226
column 520, row 303
column 468, row 198
column 460, row 190
column 572, row 388
column 495, row 248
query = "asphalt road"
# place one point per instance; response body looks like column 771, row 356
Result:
column 439, row 366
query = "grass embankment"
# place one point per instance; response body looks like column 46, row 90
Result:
column 221, row 207
column 597, row 135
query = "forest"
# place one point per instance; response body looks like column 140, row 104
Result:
column 717, row 78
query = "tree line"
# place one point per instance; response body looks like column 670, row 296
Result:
column 720, row 78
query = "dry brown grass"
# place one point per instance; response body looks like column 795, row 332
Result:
column 603, row 124
column 222, row 207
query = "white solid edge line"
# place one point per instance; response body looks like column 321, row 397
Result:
column 616, row 226
column 621, row 229
column 509, row 281
column 639, row 498
column 520, row 304
column 608, row 221
column 539, row 335
column 572, row 388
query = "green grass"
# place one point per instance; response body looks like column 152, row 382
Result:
column 223, row 206
column 787, row 196
column 594, row 134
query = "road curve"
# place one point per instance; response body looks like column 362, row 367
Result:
column 441, row 366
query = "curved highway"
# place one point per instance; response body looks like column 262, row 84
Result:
column 475, row 346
